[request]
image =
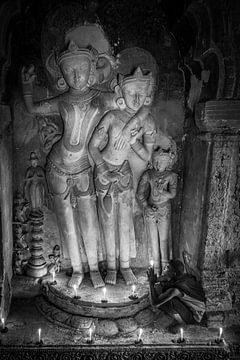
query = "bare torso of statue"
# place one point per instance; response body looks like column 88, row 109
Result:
column 68, row 170
column 114, row 182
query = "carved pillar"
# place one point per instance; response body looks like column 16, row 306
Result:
column 36, row 266
column 6, row 241
column 219, row 123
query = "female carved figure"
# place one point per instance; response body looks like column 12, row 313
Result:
column 69, row 173
column 113, row 180
column 155, row 189
column 35, row 187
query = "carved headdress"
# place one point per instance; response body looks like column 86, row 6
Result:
column 137, row 77
column 170, row 154
column 73, row 50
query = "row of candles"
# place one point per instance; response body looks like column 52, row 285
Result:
column 90, row 339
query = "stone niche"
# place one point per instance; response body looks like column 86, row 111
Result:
column 38, row 140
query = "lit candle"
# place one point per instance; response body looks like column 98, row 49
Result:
column 133, row 290
column 53, row 276
column 3, row 323
column 220, row 333
column 90, row 334
column 75, row 289
column 104, row 293
column 140, row 334
column 181, row 334
column 151, row 263
column 39, row 335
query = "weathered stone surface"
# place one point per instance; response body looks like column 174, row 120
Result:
column 144, row 317
column 106, row 328
column 127, row 325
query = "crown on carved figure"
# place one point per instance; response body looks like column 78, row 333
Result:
column 74, row 50
column 137, row 77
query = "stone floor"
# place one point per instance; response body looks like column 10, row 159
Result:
column 24, row 321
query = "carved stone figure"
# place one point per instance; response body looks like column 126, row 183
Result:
column 156, row 188
column 69, row 173
column 21, row 209
column 20, row 239
column 35, row 186
column 114, row 183
column 55, row 260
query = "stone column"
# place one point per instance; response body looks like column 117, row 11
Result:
column 219, row 123
column 36, row 266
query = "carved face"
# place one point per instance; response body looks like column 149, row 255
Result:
column 159, row 162
column 34, row 162
column 135, row 94
column 76, row 71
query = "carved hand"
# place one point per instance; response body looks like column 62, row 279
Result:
column 150, row 211
column 135, row 134
column 28, row 75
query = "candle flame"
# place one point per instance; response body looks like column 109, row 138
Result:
column 75, row 289
column 181, row 333
column 104, row 292
column 151, row 263
column 140, row 334
column 220, row 332
column 39, row 334
column 133, row 289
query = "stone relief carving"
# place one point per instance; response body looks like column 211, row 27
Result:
column 35, row 186
column 124, row 130
column 69, row 173
column 157, row 186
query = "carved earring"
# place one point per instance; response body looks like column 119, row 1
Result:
column 147, row 101
column 121, row 103
column 61, row 84
column 92, row 79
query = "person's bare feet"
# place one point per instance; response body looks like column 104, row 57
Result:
column 111, row 277
column 128, row 276
column 96, row 279
column 76, row 279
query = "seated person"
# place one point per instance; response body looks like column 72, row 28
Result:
column 180, row 296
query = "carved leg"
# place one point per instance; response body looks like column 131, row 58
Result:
column 154, row 241
column 125, row 222
column 64, row 213
column 108, row 226
column 90, row 232
column 163, row 228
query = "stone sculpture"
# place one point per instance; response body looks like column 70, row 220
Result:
column 35, row 186
column 110, row 150
column 69, row 173
column 156, row 188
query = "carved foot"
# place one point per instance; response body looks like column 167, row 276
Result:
column 128, row 276
column 96, row 279
column 111, row 277
column 76, row 279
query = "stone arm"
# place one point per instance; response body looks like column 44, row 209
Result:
column 143, row 189
column 98, row 137
column 172, row 188
column 142, row 143
column 46, row 107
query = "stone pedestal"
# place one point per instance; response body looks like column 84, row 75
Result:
column 120, row 313
column 36, row 266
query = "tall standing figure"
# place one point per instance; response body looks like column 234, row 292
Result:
column 111, row 146
column 156, row 188
column 69, row 173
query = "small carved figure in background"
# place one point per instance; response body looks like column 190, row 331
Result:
column 55, row 260
column 20, row 238
column 114, row 179
column 156, row 188
column 21, row 209
column 35, row 187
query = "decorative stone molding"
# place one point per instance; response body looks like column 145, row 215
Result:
column 218, row 116
column 137, row 352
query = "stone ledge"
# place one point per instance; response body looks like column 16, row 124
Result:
column 164, row 352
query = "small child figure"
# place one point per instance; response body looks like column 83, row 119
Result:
column 54, row 258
